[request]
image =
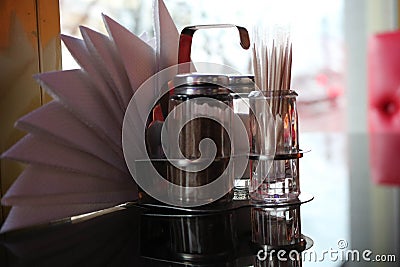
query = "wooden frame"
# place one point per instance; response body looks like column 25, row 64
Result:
column 29, row 44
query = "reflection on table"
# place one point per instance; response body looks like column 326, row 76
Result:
column 140, row 235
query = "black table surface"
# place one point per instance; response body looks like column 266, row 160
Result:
column 350, row 215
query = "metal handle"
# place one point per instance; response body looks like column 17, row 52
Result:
column 185, row 40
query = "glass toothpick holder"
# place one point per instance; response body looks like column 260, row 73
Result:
column 275, row 153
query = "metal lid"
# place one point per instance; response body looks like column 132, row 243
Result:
column 241, row 83
column 273, row 93
column 199, row 84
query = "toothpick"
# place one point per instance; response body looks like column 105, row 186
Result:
column 265, row 65
column 273, row 68
column 255, row 67
column 272, row 65
column 290, row 67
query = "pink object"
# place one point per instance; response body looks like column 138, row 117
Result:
column 383, row 107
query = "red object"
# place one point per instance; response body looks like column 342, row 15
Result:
column 157, row 114
column 185, row 47
column 384, row 107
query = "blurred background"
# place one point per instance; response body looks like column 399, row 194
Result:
column 316, row 30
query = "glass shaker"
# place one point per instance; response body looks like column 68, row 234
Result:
column 241, row 86
column 200, row 111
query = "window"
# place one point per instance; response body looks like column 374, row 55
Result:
column 316, row 33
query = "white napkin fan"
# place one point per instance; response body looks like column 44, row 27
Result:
column 73, row 145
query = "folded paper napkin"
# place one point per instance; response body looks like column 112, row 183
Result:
column 73, row 144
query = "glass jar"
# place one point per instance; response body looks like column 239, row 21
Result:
column 200, row 111
column 274, row 146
